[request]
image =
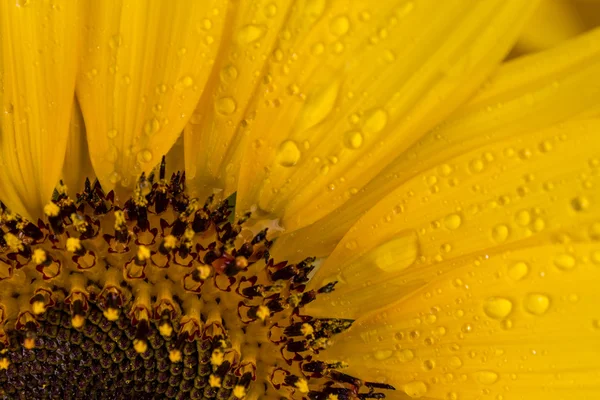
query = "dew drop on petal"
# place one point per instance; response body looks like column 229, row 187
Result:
column 405, row 355
column 251, row 33
column 518, row 270
column 112, row 133
column 375, row 121
column 382, row 354
column 500, row 233
column 497, row 307
column 288, row 154
column 486, row 377
column 225, row 106
column 565, row 261
column 353, row 139
column 452, row 221
column 415, row 389
column 339, row 25
column 536, row 303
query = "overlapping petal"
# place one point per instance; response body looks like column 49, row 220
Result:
column 38, row 56
column 143, row 68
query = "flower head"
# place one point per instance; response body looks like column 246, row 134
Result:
column 321, row 200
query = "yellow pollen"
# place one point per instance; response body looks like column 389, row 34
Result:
column 111, row 314
column 241, row 262
column 204, row 271
column 302, row 385
column 77, row 321
column 38, row 307
column 51, row 210
column 214, row 381
column 263, row 312
column 175, row 356
column 165, row 329
column 189, row 234
column 39, row 256
column 73, row 244
column 239, row 391
column 170, row 242
column 29, row 343
column 332, row 397
column 78, row 222
column 119, row 219
column 13, row 242
column 306, row 329
column 143, row 253
column 61, row 188
column 4, row 363
column 140, row 346
column 217, row 357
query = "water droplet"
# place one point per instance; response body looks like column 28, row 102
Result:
column 497, row 307
column 251, row 33
column 536, row 303
column 151, row 126
column 476, row 166
column 288, row 154
column 580, row 203
column 500, row 233
column 395, row 254
column 382, row 354
column 518, row 270
column 455, row 362
column 225, row 106
column 353, row 139
column 229, row 73
column 415, row 389
column 115, row 41
column 185, row 82
column 405, row 355
column 270, row 10
column 452, row 221
column 114, row 177
column 523, row 217
column 339, row 25
column 375, row 120
column 112, row 133
column 144, row 156
column 318, row 105
column 565, row 261
column 317, row 49
column 428, row 365
column 486, row 377
column 451, row 396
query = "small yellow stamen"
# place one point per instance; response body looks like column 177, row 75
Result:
column 77, row 321
column 140, row 345
column 111, row 314
column 241, row 262
column 217, row 357
column 306, row 329
column 214, row 381
column 175, row 355
column 73, row 244
column 29, row 343
column 119, row 219
column 13, row 242
column 39, row 256
column 51, row 210
column 143, row 253
column 170, row 242
column 263, row 312
column 239, row 391
column 332, row 397
column 38, row 307
column 302, row 385
column 165, row 329
column 4, row 363
column 189, row 234
column 204, row 271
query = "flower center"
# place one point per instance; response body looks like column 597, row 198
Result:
column 164, row 295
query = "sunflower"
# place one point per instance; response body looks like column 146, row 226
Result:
column 309, row 199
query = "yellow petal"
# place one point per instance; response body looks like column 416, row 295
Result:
column 534, row 188
column 143, row 70
column 515, row 325
column 553, row 22
column 37, row 73
column 77, row 165
column 528, row 93
column 219, row 119
column 361, row 86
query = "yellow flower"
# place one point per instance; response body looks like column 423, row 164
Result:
column 413, row 216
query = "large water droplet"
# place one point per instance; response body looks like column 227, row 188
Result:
column 536, row 303
column 395, row 254
column 452, row 221
column 339, row 25
column 455, row 362
column 500, row 233
column 229, row 73
column 486, row 377
column 415, row 389
column 151, row 126
column 382, row 354
column 353, row 139
column 251, row 33
column 518, row 270
column 288, row 154
column 405, row 355
column 565, row 261
column 375, row 120
column 270, row 10
column 319, row 104
column 580, row 203
column 144, row 156
column 225, row 106
column 497, row 307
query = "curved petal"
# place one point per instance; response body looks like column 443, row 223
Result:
column 38, row 54
column 361, row 86
column 144, row 68
column 516, row 325
column 525, row 94
column 217, row 125
column 534, row 188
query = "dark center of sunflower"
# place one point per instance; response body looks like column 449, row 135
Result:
column 162, row 298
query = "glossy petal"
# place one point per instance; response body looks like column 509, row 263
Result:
column 517, row 324
column 528, row 93
column 38, row 53
column 527, row 190
column 218, row 123
column 358, row 88
column 143, row 70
